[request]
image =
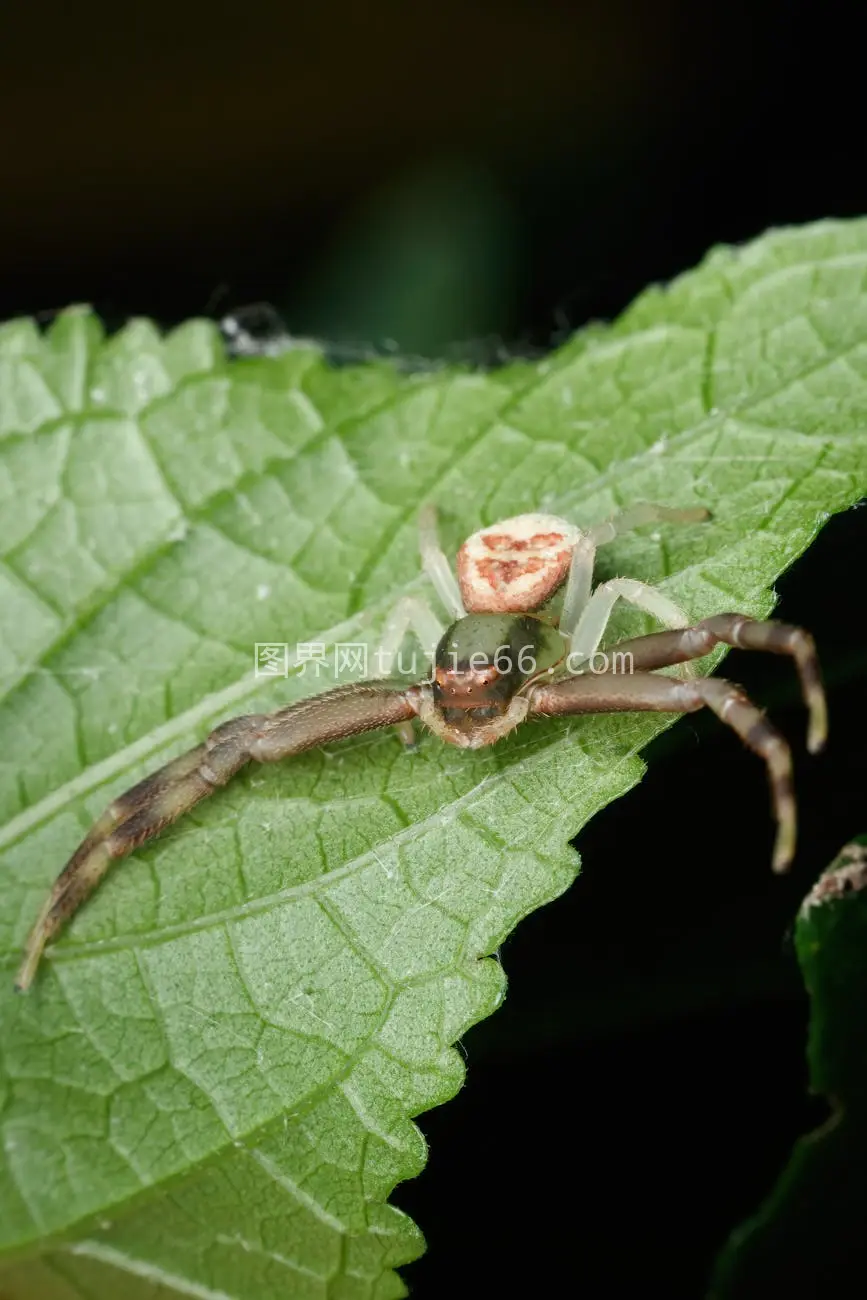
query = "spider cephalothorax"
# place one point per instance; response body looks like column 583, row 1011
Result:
column 501, row 659
column 484, row 660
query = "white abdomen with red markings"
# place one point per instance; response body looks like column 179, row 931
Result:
column 516, row 565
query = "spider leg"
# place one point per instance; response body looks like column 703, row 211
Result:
column 643, row 512
column 580, row 578
column 410, row 612
column 591, row 625
column 607, row 693
column 436, row 565
column 578, row 584
column 663, row 648
column 157, row 801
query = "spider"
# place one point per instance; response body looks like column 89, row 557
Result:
column 503, row 658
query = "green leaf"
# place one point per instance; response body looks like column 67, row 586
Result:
column 808, row 1237
column 209, row 1090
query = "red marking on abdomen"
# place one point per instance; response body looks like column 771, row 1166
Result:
column 506, row 542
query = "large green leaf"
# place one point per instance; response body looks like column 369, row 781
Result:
column 209, row 1090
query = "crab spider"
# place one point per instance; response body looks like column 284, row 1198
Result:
column 500, row 661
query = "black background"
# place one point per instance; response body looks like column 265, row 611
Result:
column 465, row 179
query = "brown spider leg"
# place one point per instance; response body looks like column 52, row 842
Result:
column 610, row 693
column 661, row 649
column 160, row 799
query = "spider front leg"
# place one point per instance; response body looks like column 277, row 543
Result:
column 610, row 693
column 163, row 797
column 661, row 649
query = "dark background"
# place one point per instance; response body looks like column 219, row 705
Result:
column 475, row 180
